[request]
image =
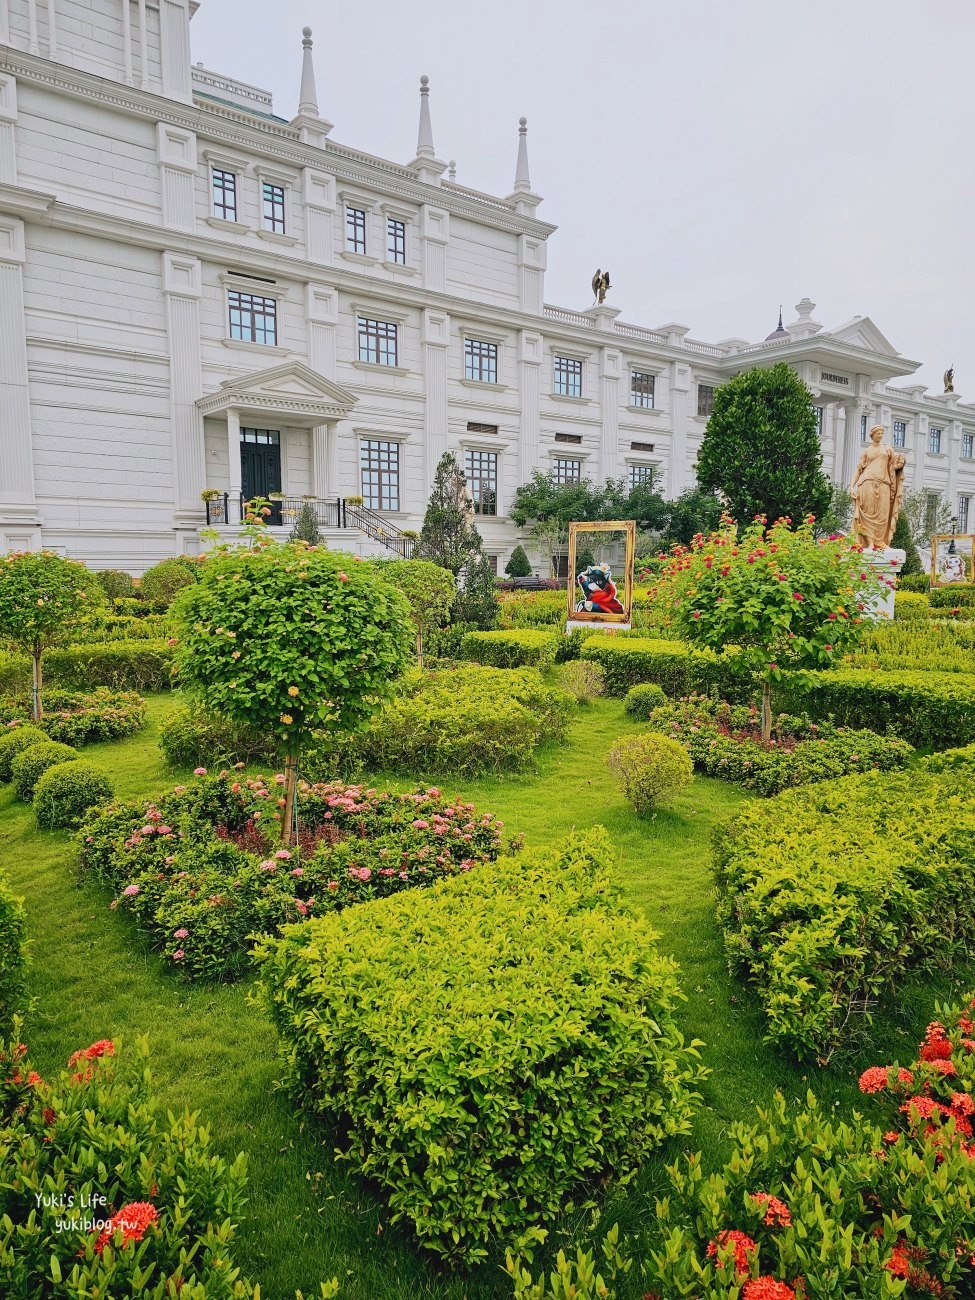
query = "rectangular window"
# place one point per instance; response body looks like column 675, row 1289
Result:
column 266, row 437
column 253, row 318
column 899, row 438
column 355, row 230
column 963, row 508
column 934, row 441
column 574, row 438
column 820, row 415
column 482, row 479
column 641, row 389
column 967, row 446
column 863, row 428
column 641, row 446
column 492, row 564
column 474, row 426
column 378, row 342
column 566, row 471
column 380, row 474
column 224, row 194
column 705, row 399
column 273, row 210
column 641, row 475
column 481, row 361
column 568, row 377
column 395, row 241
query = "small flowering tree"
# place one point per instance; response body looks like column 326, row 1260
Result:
column 41, row 597
column 429, row 589
column 291, row 640
column 786, row 600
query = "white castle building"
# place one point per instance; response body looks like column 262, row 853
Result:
column 197, row 294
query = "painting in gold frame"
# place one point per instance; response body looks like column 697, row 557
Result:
column 950, row 566
column 594, row 596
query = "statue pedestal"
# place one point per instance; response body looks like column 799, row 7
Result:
column 885, row 564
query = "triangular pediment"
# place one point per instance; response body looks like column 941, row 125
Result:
column 294, row 379
column 292, row 386
column 861, row 332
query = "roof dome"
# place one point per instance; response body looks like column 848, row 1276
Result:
column 780, row 332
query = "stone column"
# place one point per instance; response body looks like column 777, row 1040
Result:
column 319, row 192
column 8, row 142
column 532, row 253
column 233, row 458
column 321, row 453
column 531, row 352
column 322, row 310
column 611, row 370
column 182, row 286
column 435, row 234
column 174, row 52
column 680, row 408
column 436, row 337
column 18, row 507
column 847, row 451
column 177, row 174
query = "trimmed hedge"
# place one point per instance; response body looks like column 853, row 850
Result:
column 956, row 595
column 13, row 958
column 13, row 740
column 650, row 769
column 31, row 764
column 160, row 584
column 952, row 760
column 66, row 791
column 144, row 666
column 911, row 606
column 928, row 646
column 534, row 609
column 678, row 668
column 829, row 894
column 490, row 1051
column 524, row 648
column 74, row 718
column 925, row 708
column 914, row 582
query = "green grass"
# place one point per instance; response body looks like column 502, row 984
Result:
column 93, row 977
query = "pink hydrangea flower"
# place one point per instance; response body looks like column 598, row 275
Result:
column 179, row 954
column 420, row 824
column 282, row 855
column 130, row 891
column 298, row 871
column 181, row 933
column 199, row 771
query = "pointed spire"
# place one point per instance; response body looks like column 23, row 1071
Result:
column 308, row 102
column 424, row 139
column 522, row 180
column 780, row 325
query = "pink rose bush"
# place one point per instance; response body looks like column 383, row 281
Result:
column 200, row 871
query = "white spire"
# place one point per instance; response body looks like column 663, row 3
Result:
column 522, row 180
column 424, row 139
column 308, row 102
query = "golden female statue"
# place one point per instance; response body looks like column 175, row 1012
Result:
column 877, row 490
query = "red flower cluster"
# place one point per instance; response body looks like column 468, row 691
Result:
column 104, row 1047
column 132, row 1220
column 936, row 1045
column 777, row 1214
column 877, row 1078
column 767, row 1288
column 741, row 1243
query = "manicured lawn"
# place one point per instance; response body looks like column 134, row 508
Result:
column 93, row 977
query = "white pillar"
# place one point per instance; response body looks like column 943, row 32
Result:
column 531, row 352
column 4, row 22
column 32, row 27
column 182, row 286
column 321, row 483
column 611, row 370
column 320, row 204
column 233, row 458
column 436, row 337
column 322, row 311
column 8, row 139
column 435, row 234
column 176, row 150
column 681, row 408
column 52, row 30
column 17, row 499
column 143, row 46
column 127, row 41
column 174, row 49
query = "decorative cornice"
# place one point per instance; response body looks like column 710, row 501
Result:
column 246, row 399
column 241, row 129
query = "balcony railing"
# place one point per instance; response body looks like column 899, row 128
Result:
column 331, row 513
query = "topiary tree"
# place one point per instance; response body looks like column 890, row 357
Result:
column 161, row 583
column 116, row 584
column 291, row 640
column 903, row 541
column 519, row 565
column 787, row 600
column 306, row 526
column 42, row 596
column 429, row 589
column 761, row 449
column 476, row 602
column 448, row 536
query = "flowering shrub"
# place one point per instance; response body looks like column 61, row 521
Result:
column 829, row 893
column 724, row 740
column 462, row 721
column 200, row 869
column 13, row 963
column 489, row 1049
column 66, row 791
column 785, row 599
column 103, row 1195
column 679, row 669
column 80, row 719
column 649, row 769
column 583, row 679
column 31, row 764
column 935, row 709
column 521, row 648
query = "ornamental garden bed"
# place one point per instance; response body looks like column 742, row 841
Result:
column 201, row 870
column 78, row 717
column 724, row 740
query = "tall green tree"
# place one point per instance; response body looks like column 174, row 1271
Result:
column 448, row 536
column 903, row 541
column 761, row 448
column 519, row 565
column 694, row 511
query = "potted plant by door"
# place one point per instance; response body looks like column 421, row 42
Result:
column 210, row 494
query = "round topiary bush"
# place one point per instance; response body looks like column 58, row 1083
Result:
column 116, row 584
column 13, row 741
column 63, row 795
column 650, row 769
column 31, row 764
column 583, row 679
column 160, row 584
column 641, row 700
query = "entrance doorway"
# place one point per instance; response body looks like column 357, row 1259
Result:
column 260, row 467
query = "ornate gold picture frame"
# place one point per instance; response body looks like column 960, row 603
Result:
column 944, row 562
column 576, row 593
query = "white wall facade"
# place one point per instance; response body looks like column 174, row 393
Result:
column 122, row 392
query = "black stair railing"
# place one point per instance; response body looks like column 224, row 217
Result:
column 337, row 513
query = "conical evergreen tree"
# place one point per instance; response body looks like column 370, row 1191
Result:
column 306, row 526
column 448, row 536
column 519, row 565
column 902, row 541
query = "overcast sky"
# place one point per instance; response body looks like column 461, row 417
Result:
column 717, row 156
